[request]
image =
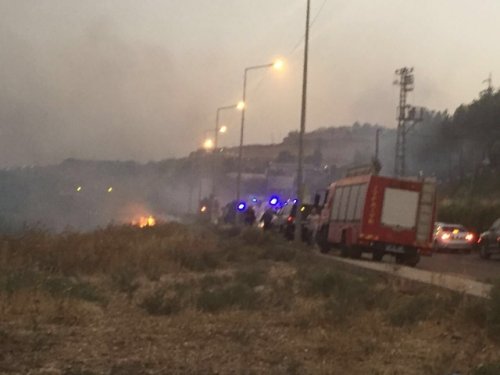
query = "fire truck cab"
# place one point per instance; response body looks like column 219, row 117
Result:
column 380, row 215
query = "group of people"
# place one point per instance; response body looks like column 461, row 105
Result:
column 267, row 219
column 250, row 216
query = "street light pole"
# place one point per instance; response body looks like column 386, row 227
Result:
column 277, row 65
column 216, row 138
column 217, row 126
column 300, row 185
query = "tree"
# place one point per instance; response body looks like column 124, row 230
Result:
column 285, row 156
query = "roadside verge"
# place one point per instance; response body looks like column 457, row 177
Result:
column 452, row 282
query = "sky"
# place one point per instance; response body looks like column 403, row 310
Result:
column 141, row 80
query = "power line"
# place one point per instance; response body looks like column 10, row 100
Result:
column 302, row 38
column 298, row 44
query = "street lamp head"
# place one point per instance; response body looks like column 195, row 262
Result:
column 208, row 144
column 223, row 129
column 241, row 105
column 278, row 64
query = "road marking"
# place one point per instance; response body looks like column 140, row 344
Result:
column 444, row 280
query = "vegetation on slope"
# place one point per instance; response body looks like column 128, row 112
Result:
column 184, row 299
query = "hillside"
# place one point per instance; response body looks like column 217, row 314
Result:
column 75, row 193
column 337, row 145
column 473, row 201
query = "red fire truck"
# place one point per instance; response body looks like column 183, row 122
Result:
column 380, row 215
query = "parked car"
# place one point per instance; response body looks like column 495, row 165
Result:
column 453, row 237
column 489, row 241
column 286, row 217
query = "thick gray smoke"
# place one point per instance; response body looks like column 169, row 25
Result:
column 141, row 80
column 99, row 97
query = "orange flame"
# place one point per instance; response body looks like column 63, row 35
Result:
column 145, row 221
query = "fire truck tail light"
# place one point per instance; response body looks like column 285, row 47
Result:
column 469, row 237
column 445, row 236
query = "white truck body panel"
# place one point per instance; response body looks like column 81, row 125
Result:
column 399, row 208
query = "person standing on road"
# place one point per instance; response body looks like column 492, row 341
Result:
column 313, row 225
column 267, row 218
column 250, row 216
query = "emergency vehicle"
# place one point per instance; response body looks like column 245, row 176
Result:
column 379, row 215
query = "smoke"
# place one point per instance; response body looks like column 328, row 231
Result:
column 142, row 80
column 95, row 97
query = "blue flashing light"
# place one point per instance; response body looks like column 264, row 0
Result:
column 242, row 206
column 274, row 201
column 295, row 200
column 254, row 200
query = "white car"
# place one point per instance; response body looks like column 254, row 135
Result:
column 454, row 237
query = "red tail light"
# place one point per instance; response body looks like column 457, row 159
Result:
column 290, row 219
column 469, row 237
column 445, row 236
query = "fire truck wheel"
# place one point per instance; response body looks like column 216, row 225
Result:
column 324, row 248
column 435, row 247
column 400, row 258
column 377, row 255
column 322, row 240
column 345, row 250
column 412, row 260
column 483, row 251
column 355, row 252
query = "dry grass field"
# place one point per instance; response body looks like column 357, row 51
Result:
column 176, row 299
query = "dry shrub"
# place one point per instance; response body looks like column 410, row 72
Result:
column 475, row 311
column 76, row 370
column 323, row 283
column 493, row 313
column 150, row 251
column 410, row 309
column 11, row 282
column 236, row 295
column 427, row 304
column 57, row 286
column 219, row 293
column 251, row 276
column 211, row 281
column 70, row 288
column 34, row 307
column 487, row 369
column 254, row 236
column 196, row 260
column 278, row 253
column 160, row 303
column 125, row 281
column 282, row 293
column 344, row 295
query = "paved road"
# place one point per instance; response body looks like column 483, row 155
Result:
column 466, row 265
column 470, row 265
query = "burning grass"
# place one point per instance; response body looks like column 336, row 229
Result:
column 204, row 300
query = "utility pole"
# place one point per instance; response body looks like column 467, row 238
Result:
column 406, row 116
column 376, row 165
column 300, row 185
